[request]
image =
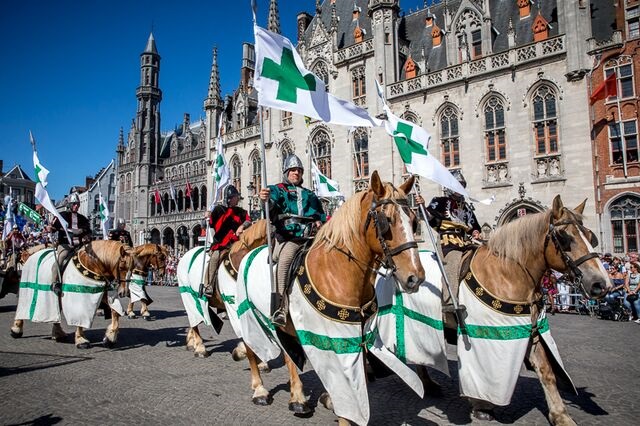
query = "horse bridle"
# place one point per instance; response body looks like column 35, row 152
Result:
column 571, row 264
column 381, row 223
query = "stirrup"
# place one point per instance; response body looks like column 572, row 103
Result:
column 279, row 318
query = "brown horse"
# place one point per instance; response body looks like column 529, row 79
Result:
column 373, row 228
column 96, row 264
column 504, row 282
column 253, row 237
column 146, row 258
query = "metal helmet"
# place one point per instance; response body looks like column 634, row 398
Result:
column 292, row 161
column 121, row 223
column 73, row 198
column 230, row 191
column 15, row 226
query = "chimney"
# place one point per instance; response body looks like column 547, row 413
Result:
column 88, row 181
column 304, row 19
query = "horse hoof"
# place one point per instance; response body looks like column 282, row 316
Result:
column 484, row 415
column 204, row 354
column 264, row 367
column 108, row 343
column 16, row 335
column 147, row 317
column 131, row 315
column 262, row 400
column 83, row 345
column 325, row 400
column 300, row 408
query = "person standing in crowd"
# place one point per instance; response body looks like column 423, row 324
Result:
column 456, row 223
column 228, row 221
column 121, row 234
column 617, row 278
column 79, row 230
column 296, row 213
column 632, row 286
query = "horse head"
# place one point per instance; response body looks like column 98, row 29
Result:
column 389, row 225
column 569, row 248
column 150, row 256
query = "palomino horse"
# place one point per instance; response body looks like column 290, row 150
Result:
column 85, row 283
column 505, row 321
column 332, row 298
column 190, row 276
column 146, row 258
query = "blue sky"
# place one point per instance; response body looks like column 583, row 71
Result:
column 70, row 70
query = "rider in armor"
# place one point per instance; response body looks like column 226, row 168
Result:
column 295, row 212
column 456, row 223
column 228, row 221
column 79, row 230
column 121, row 234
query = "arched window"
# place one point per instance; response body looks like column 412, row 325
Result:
column 152, row 205
column 449, row 137
column 360, row 153
column 285, row 150
column 167, row 174
column 195, row 198
column 187, row 169
column 180, row 200
column 203, row 197
column 129, row 182
column 494, row 130
column 165, row 203
column 625, row 223
column 321, row 152
column 256, row 170
column 122, row 179
column 321, row 70
column 287, row 119
column 236, row 170
column 359, row 86
column 181, row 171
column 545, row 120
column 468, row 30
column 410, row 116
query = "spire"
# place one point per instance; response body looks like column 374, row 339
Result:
column 213, row 97
column 334, row 18
column 274, row 17
column 151, row 45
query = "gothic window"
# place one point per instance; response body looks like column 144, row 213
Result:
column 122, row 179
column 285, row 150
column 167, row 174
column 321, row 152
column 494, row 130
column 187, row 169
column 152, row 205
column 624, row 142
column 632, row 16
column 545, row 120
column 256, row 170
column 165, row 203
column 236, row 170
column 449, row 137
column 361, row 153
column 410, row 116
column 469, row 35
column 287, row 119
column 203, row 197
column 180, row 201
column 195, row 199
column 181, row 171
column 128, row 182
column 203, row 167
column 623, row 67
column 625, row 222
column 195, row 168
column 321, row 70
column 359, row 86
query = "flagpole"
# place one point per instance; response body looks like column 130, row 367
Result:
column 263, row 152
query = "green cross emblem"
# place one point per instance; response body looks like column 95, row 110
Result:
column 406, row 145
column 38, row 169
column 219, row 165
column 102, row 209
column 324, row 180
column 288, row 76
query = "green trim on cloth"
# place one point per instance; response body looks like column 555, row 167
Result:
column 229, row 299
column 195, row 255
column 196, row 298
column 139, row 282
column 80, row 288
column 34, row 300
column 247, row 304
column 513, row 332
column 339, row 345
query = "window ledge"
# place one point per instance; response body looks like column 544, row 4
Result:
column 496, row 185
column 549, row 179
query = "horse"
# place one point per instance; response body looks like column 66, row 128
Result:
column 84, row 285
column 505, row 322
column 332, row 299
column 190, row 276
column 147, row 258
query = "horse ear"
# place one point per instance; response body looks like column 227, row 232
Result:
column 125, row 250
column 376, row 184
column 557, row 207
column 580, row 207
column 407, row 185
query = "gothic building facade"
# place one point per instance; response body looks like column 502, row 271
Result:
column 500, row 85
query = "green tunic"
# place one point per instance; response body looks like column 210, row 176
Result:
column 290, row 205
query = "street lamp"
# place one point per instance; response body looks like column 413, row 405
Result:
column 251, row 189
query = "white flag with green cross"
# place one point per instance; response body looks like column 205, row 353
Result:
column 41, row 193
column 324, row 186
column 283, row 82
column 103, row 211
column 221, row 174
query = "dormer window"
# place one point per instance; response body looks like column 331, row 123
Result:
column 358, row 34
column 525, row 8
column 410, row 68
column 540, row 28
column 436, row 35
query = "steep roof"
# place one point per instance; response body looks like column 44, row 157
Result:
column 17, row 172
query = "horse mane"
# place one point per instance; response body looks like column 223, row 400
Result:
column 343, row 230
column 145, row 250
column 106, row 252
column 520, row 240
column 255, row 234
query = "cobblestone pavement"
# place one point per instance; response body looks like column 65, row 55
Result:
column 149, row 378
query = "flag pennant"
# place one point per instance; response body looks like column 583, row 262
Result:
column 412, row 142
column 284, row 83
column 606, row 89
column 157, row 197
column 324, row 186
column 103, row 211
column 172, row 192
column 221, row 175
column 188, row 189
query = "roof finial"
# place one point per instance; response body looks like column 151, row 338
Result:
column 274, row 17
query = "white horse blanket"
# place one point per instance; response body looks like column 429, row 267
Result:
column 190, row 275
column 138, row 289
column 403, row 317
column 81, row 292
column 491, row 352
column 334, row 348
